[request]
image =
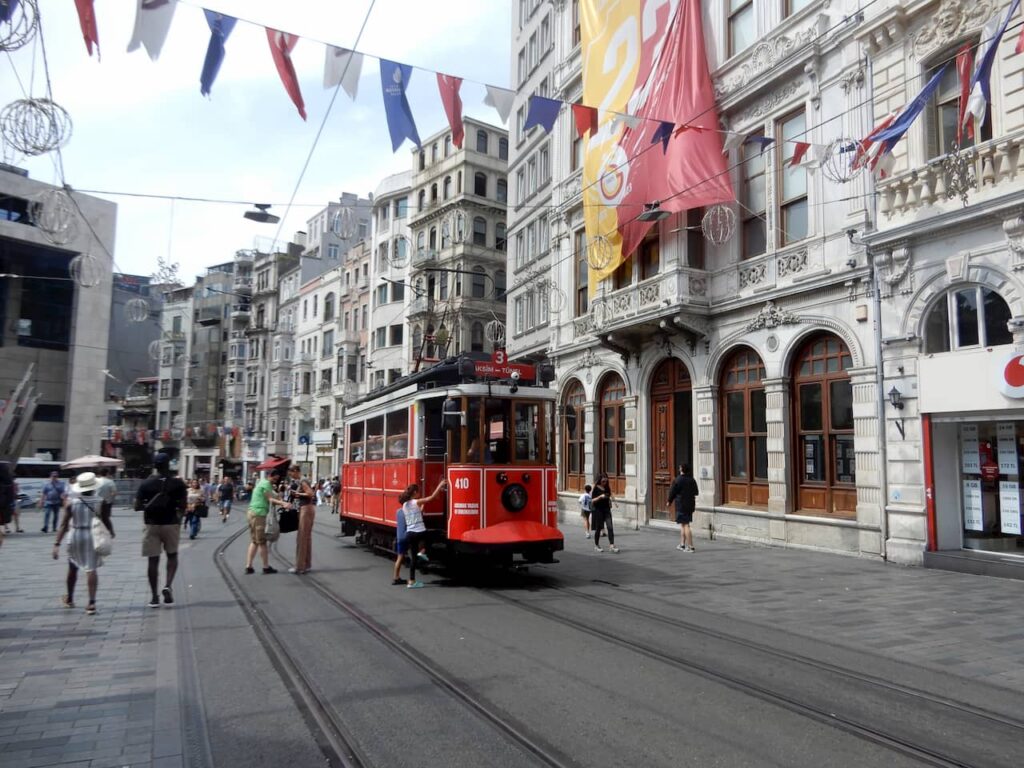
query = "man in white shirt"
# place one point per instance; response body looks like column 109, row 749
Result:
column 107, row 490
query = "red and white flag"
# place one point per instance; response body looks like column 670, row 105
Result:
column 865, row 144
column 449, row 86
column 281, row 45
column 964, row 68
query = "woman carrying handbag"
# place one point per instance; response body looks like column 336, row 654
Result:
column 78, row 517
column 303, row 498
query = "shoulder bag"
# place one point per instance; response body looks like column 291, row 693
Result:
column 102, row 541
column 273, row 527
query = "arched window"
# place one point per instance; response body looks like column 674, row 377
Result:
column 432, row 241
column 417, row 342
column 433, row 153
column 421, row 242
column 502, row 194
column 422, row 200
column 826, row 471
column 431, row 349
column 479, row 231
column 500, row 236
column 329, row 307
column 433, row 193
column 574, row 452
column 744, row 430
column 481, row 141
column 503, row 149
column 480, row 184
column 612, row 410
column 447, row 187
column 972, row 316
column 447, row 145
column 478, row 286
column 476, row 337
column 423, row 160
column 499, row 284
column 458, row 183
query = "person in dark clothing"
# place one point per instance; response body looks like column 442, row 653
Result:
column 162, row 500
column 684, row 492
column 601, row 513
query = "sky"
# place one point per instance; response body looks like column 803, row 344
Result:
column 142, row 126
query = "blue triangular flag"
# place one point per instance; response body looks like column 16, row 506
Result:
column 543, row 112
column 764, row 141
column 220, row 28
column 394, row 78
column 7, row 8
column 895, row 132
column 663, row 134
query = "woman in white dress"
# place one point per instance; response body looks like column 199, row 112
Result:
column 81, row 506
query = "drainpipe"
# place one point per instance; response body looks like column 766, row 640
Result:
column 880, row 403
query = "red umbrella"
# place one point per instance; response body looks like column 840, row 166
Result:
column 272, row 463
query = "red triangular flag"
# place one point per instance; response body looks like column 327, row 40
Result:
column 1020, row 42
column 799, row 152
column 586, row 119
column 865, row 144
column 87, row 20
column 449, row 86
column 964, row 69
column 281, row 45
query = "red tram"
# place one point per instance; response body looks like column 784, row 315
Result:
column 493, row 442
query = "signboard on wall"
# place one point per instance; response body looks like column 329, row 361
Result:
column 1006, row 441
column 1009, row 508
column 970, row 461
column 1010, row 380
column 973, row 516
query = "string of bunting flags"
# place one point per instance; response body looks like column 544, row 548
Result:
column 141, row 436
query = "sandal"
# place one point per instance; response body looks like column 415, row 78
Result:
column 90, row 609
column 67, row 602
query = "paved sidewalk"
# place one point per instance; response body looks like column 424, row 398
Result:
column 79, row 690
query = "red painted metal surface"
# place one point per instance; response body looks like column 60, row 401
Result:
column 929, row 482
column 513, row 531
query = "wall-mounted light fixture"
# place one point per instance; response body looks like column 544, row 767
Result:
column 653, row 212
column 896, row 401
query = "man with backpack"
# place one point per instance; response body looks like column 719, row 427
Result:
column 162, row 500
column 51, row 497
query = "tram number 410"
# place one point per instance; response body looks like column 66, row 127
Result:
column 461, row 483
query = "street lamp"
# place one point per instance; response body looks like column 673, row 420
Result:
column 896, row 401
column 262, row 214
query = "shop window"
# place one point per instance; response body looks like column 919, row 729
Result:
column 967, row 317
column 824, row 463
column 990, row 485
column 574, row 438
column 612, row 458
column 744, row 430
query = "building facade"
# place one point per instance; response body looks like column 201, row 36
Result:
column 389, row 276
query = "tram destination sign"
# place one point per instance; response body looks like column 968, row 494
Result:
column 498, row 367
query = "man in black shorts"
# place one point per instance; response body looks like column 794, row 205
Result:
column 684, row 492
column 162, row 500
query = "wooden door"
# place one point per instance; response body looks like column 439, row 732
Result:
column 663, row 461
column 670, row 432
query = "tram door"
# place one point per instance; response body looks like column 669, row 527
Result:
column 671, row 432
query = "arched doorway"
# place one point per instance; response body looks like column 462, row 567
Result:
column 671, row 431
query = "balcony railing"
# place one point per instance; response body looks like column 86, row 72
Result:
column 421, row 305
column 645, row 301
column 423, row 257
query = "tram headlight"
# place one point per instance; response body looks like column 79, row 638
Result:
column 514, row 497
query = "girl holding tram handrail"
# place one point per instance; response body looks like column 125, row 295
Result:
column 412, row 510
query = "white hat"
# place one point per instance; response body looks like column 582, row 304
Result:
column 85, row 482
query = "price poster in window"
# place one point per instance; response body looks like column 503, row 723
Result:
column 1009, row 508
column 972, row 506
column 1006, row 441
column 970, row 462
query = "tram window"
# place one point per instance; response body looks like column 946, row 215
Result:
column 356, row 447
column 528, row 432
column 473, row 454
column 496, row 424
column 398, row 434
column 375, row 438
column 433, row 431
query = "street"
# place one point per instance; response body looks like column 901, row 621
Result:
column 733, row 655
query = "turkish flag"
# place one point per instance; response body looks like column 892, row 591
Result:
column 281, row 45
column 449, row 87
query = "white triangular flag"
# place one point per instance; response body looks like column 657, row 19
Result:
column 884, row 167
column 345, row 67
column 732, row 141
column 501, row 99
column 152, row 21
column 813, row 157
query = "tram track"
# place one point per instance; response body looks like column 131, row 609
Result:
column 826, row 715
column 500, row 720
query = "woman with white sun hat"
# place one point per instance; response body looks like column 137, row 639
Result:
column 82, row 505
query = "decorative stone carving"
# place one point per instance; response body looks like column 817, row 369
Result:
column 1014, row 230
column 767, row 104
column 896, row 273
column 649, row 294
column 854, row 79
column 952, row 20
column 766, row 55
column 698, row 286
column 771, row 316
column 751, row 276
column 588, row 361
column 791, row 263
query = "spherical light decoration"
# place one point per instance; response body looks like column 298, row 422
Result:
column 56, row 216
column 599, row 252
column 718, row 224
column 21, row 25
column 838, row 162
column 344, row 223
column 399, row 257
column 494, row 331
column 555, row 297
column 136, row 310
column 35, row 126
column 86, row 270
column 154, row 349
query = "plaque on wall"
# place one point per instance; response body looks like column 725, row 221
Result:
column 973, row 519
column 1009, row 507
column 970, row 461
column 704, row 446
column 1006, row 441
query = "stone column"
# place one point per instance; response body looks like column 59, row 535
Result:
column 776, row 392
column 867, row 453
column 592, row 443
column 634, row 459
column 705, row 465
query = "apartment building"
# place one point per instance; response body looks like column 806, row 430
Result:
column 392, row 241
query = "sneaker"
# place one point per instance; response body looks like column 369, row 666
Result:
column 90, row 609
column 45, row 531
column 154, row 602
column 270, row 569
column 598, row 549
column 415, row 585
column 67, row 602
column 396, row 582
column 294, row 570
column 613, row 549
column 168, row 595
column 423, row 557
column 250, row 569
column 681, row 548
column 586, row 535
column 691, row 549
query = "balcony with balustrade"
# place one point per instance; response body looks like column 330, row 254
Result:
column 240, row 314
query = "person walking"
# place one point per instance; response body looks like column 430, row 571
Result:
column 78, row 514
column 684, row 492
column 225, row 495
column 335, row 494
column 263, row 498
column 194, row 502
column 301, row 497
column 162, row 499
column 107, row 490
column 412, row 509
column 51, row 497
column 601, row 513
column 585, row 502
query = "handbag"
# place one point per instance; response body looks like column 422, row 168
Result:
column 288, row 520
column 102, row 541
column 202, row 510
column 273, row 527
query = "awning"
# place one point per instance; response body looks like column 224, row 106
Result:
column 272, row 463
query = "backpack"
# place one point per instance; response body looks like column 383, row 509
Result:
column 159, row 501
